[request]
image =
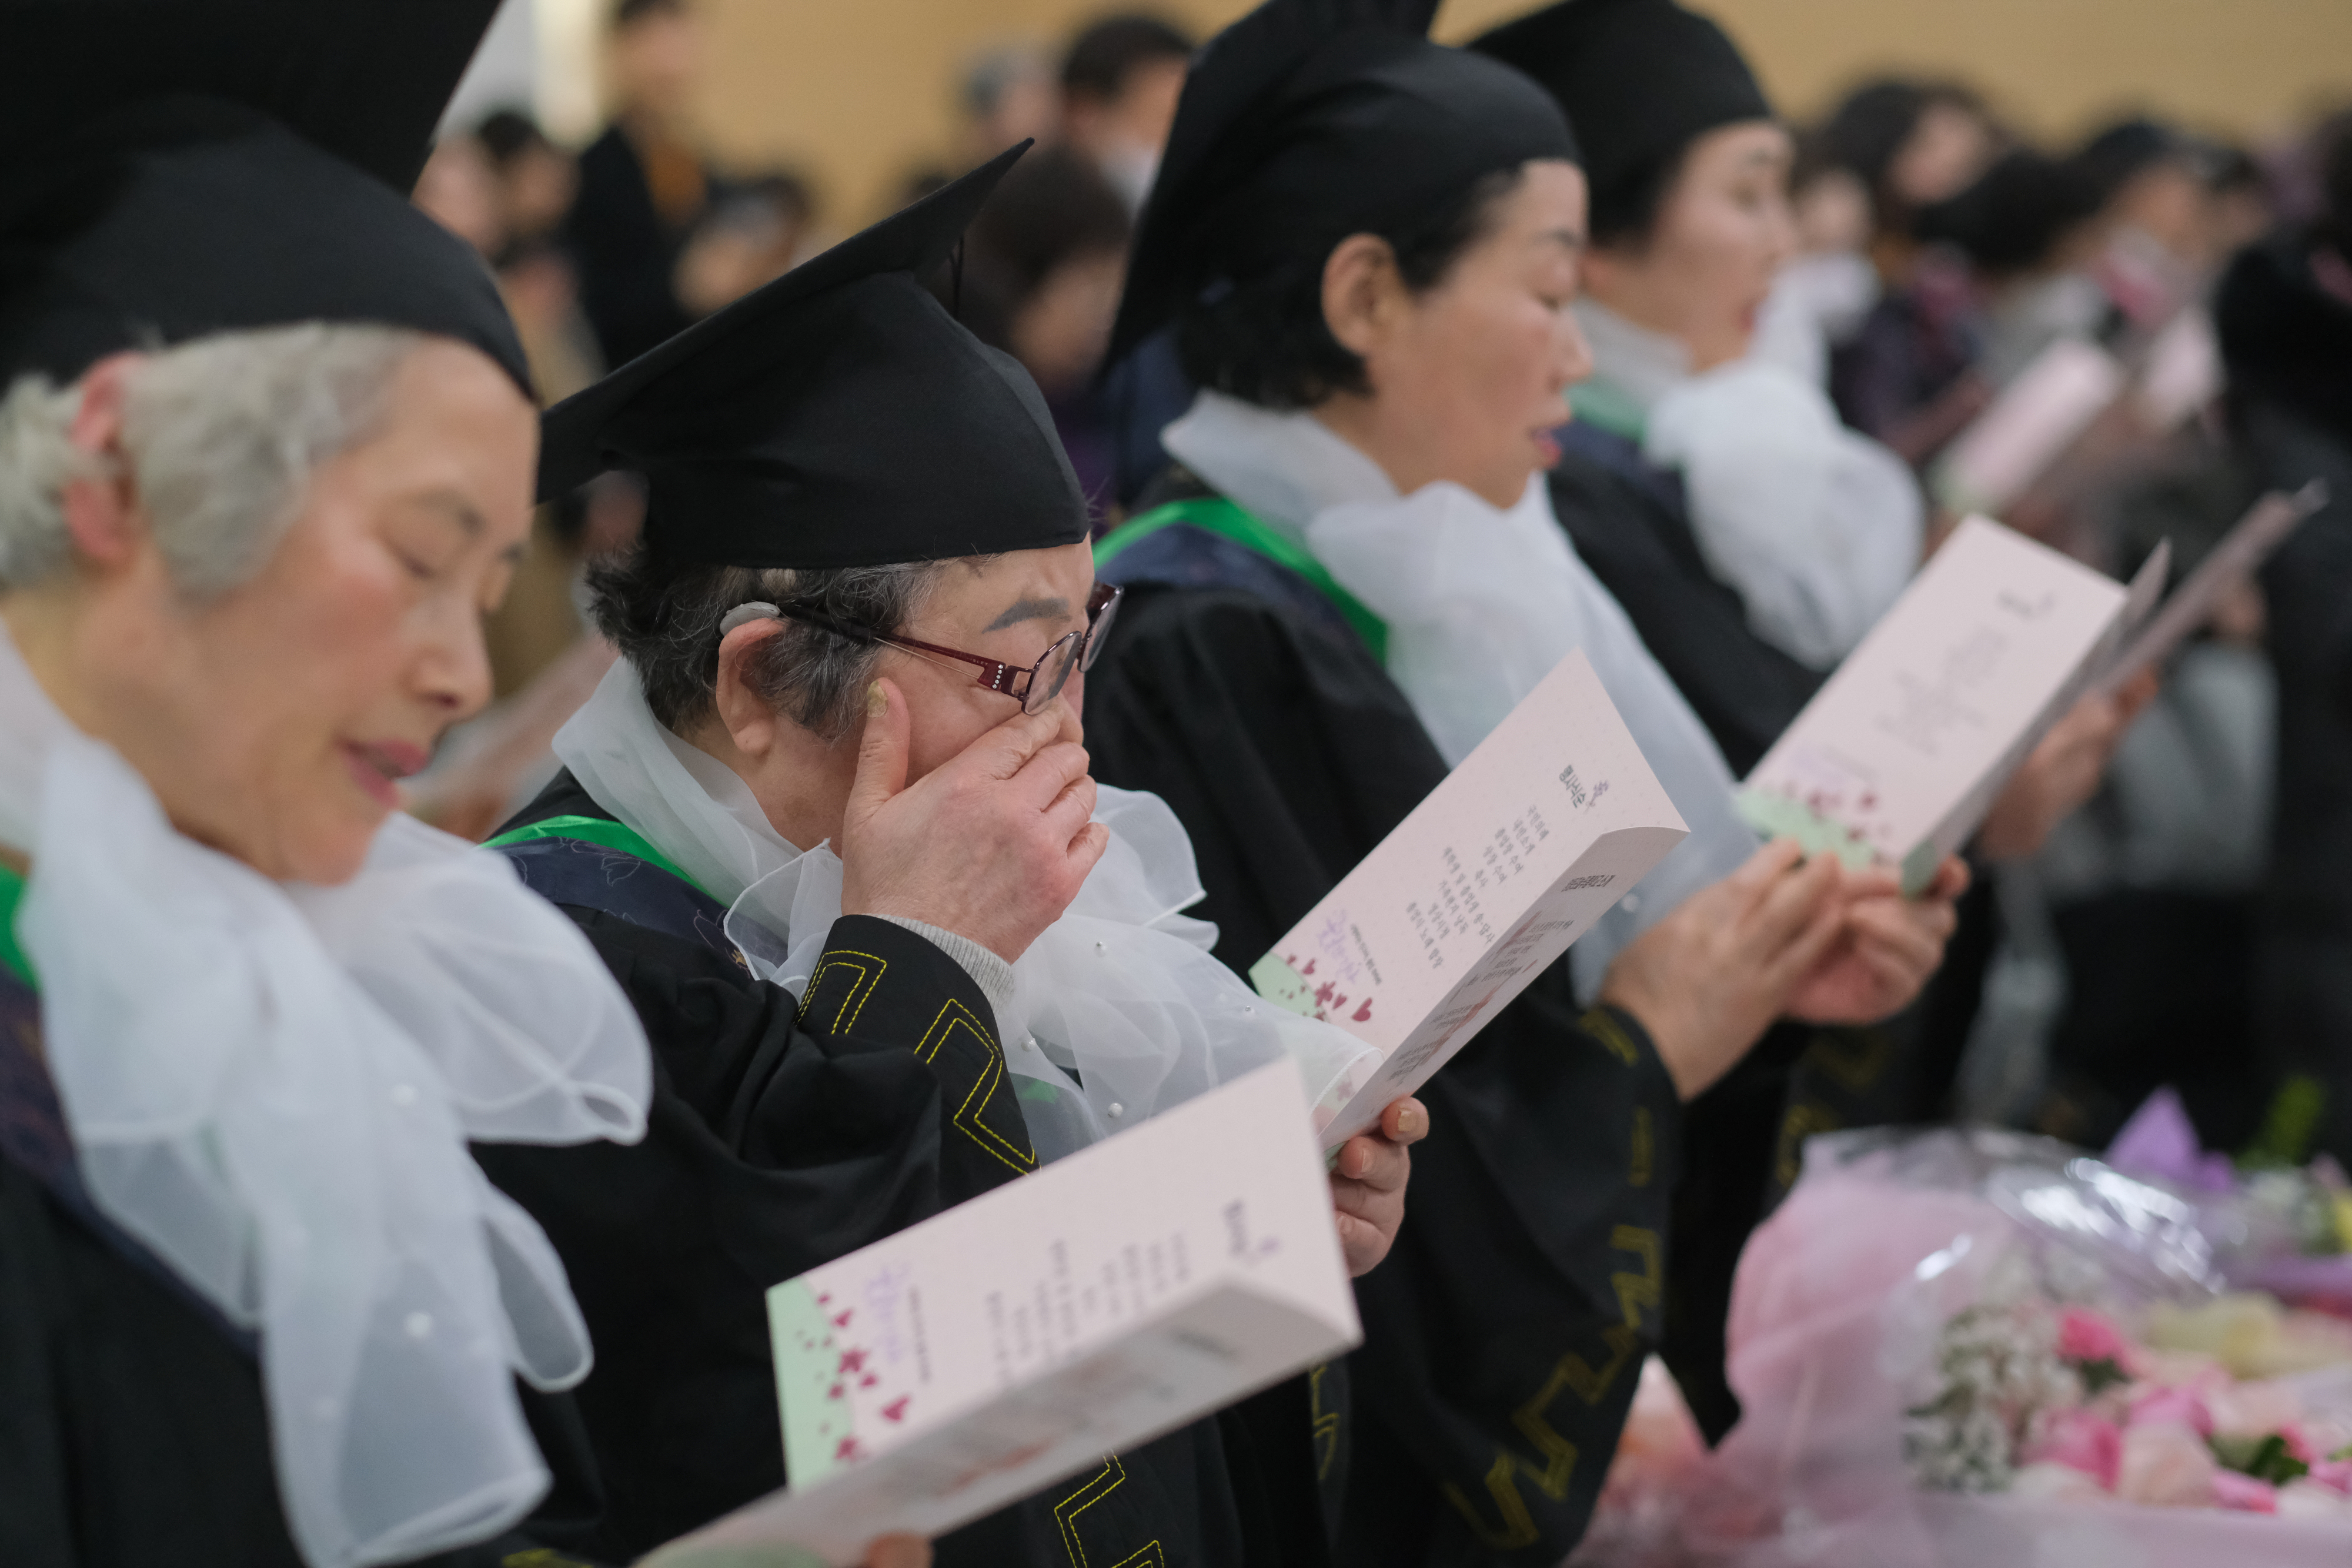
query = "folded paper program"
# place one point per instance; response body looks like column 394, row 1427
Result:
column 1547, row 824
column 990, row 1352
column 1898, row 758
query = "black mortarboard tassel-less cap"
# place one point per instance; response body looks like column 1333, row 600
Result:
column 1308, row 120
column 837, row 417
column 174, row 168
column 1640, row 79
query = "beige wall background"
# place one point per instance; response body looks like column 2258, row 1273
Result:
column 855, row 92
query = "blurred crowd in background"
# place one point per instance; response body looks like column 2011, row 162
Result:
column 1939, row 252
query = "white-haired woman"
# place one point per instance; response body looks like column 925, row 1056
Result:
column 265, row 456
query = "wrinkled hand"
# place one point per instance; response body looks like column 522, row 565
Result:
column 992, row 844
column 1708, row 979
column 2063, row 771
column 899, row 1552
column 1890, row 946
column 1368, row 1184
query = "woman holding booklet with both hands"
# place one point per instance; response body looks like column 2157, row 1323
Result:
column 1365, row 246
column 260, row 1304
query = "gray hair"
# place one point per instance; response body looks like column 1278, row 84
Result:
column 665, row 618
column 222, row 435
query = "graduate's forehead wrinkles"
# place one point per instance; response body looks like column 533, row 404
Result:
column 1022, row 610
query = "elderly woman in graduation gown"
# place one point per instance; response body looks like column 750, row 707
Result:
column 865, row 589
column 1367, row 246
column 265, row 456
column 1749, row 538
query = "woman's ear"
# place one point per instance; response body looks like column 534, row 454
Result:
column 1362, row 293
column 102, row 509
column 750, row 722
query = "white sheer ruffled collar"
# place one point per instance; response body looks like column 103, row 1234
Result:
column 1642, row 364
column 272, row 1088
column 1118, row 1011
column 1283, row 466
column 1481, row 601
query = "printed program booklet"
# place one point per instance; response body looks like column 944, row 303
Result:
column 1902, row 752
column 2041, row 413
column 2242, row 551
column 1022, row 1337
column 1530, row 840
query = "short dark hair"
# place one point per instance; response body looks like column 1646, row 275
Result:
column 1264, row 339
column 2014, row 217
column 1624, row 213
column 508, row 133
column 663, row 615
column 1053, row 206
column 1106, row 50
column 627, row 14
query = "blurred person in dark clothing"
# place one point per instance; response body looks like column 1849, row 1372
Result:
column 1120, row 81
column 751, row 235
column 2003, row 276
column 1912, row 144
column 2030, row 229
column 459, row 190
column 2244, row 208
column 1008, row 94
column 2284, row 315
column 538, row 180
column 1042, row 271
column 2161, row 247
column 1823, row 295
column 643, row 184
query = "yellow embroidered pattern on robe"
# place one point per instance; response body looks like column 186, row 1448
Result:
column 989, row 1114
column 1323, row 1425
column 1804, row 1119
column 1856, row 1058
column 1518, row 1527
column 854, row 975
column 981, row 1106
column 1100, row 1485
column 1602, row 1025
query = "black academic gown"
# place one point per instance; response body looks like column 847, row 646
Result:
column 781, row 1138
column 133, row 1432
column 2288, row 341
column 1504, row 1333
column 1630, row 522
column 624, row 250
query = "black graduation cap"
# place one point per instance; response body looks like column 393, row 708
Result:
column 1640, row 78
column 838, row 416
column 1308, row 120
column 174, row 168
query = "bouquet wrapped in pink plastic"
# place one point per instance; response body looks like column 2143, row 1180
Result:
column 1969, row 1349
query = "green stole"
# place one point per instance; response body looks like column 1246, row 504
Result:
column 12, row 952
column 1216, row 515
column 602, row 830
